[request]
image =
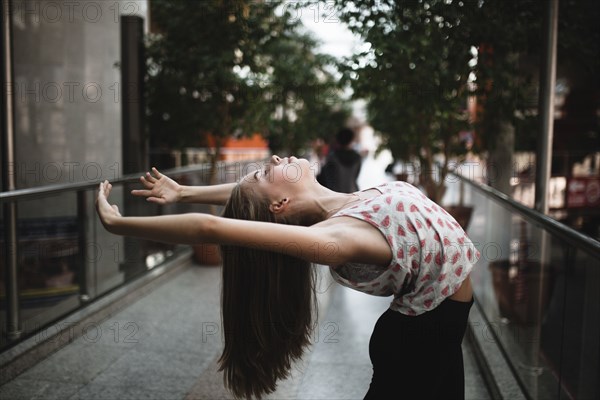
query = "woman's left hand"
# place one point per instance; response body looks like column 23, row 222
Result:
column 108, row 213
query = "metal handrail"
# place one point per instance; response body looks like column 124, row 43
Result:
column 559, row 229
column 564, row 232
column 21, row 194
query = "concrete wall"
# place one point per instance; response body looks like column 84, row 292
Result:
column 67, row 89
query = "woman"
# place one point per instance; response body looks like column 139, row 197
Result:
column 388, row 240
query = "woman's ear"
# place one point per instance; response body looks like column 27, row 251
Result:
column 277, row 207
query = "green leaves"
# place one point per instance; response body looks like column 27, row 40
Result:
column 242, row 66
column 416, row 74
column 415, row 77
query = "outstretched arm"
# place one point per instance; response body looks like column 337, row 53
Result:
column 315, row 244
column 161, row 189
column 184, row 228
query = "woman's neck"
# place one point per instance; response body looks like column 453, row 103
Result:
column 341, row 201
column 317, row 207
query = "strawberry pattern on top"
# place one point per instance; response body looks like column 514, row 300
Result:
column 432, row 255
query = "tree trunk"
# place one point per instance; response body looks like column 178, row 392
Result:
column 500, row 161
column 499, row 229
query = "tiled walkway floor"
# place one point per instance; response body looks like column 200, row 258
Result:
column 165, row 346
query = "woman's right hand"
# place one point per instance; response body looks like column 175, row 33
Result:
column 107, row 212
column 159, row 188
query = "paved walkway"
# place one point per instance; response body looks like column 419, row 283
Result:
column 165, row 346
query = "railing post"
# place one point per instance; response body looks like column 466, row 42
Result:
column 546, row 106
column 82, row 245
column 12, row 287
column 544, row 149
column 8, row 177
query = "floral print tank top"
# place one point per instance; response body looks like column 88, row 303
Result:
column 432, row 255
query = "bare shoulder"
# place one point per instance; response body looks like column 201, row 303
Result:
column 358, row 241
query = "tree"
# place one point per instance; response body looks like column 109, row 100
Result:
column 418, row 47
column 306, row 99
column 196, row 62
column 229, row 68
column 506, row 91
column 414, row 76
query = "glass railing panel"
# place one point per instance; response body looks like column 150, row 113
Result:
column 540, row 296
column 576, row 361
column 48, row 260
column 66, row 258
column 114, row 260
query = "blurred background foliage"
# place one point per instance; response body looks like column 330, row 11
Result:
column 426, row 61
column 440, row 77
column 233, row 68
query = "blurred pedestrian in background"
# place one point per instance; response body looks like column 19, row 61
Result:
column 341, row 169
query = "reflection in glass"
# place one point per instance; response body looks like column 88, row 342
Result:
column 540, row 296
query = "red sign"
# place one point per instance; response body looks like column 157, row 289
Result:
column 583, row 192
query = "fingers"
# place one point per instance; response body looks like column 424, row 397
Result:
column 148, row 195
column 103, row 193
column 141, row 193
column 147, row 184
column 153, row 178
column 149, row 180
column 157, row 200
column 104, row 189
column 149, row 177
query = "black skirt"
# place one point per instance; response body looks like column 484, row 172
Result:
column 419, row 357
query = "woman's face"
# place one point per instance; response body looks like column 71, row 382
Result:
column 280, row 176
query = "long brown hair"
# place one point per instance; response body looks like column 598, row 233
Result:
column 268, row 306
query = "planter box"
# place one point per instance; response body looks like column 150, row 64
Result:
column 207, row 254
column 523, row 291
